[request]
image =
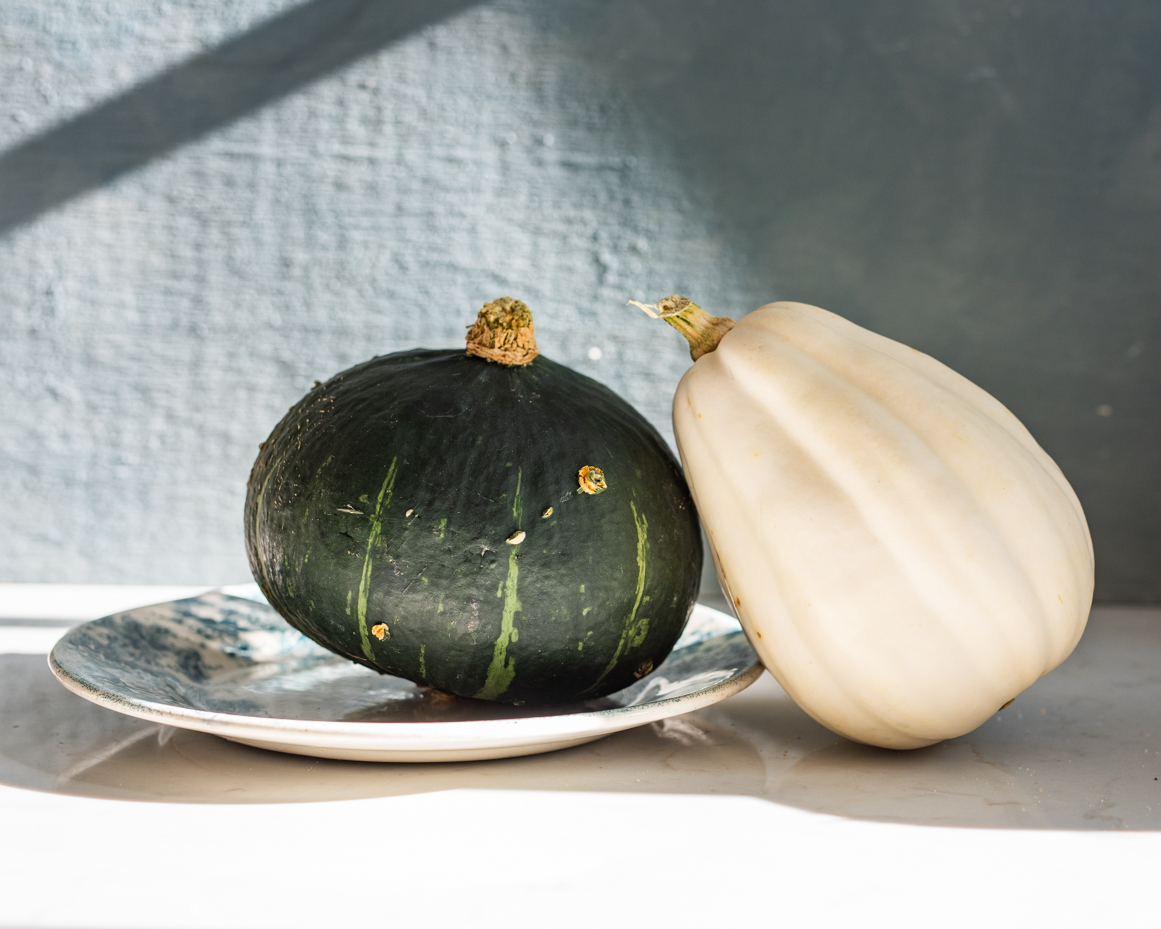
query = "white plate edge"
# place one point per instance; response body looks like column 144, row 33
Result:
column 424, row 736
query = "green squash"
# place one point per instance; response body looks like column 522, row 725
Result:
column 490, row 523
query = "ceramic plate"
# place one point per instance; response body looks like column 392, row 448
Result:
column 229, row 665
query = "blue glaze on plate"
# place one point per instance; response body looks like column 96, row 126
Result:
column 231, row 665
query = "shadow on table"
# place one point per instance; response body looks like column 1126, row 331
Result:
column 1078, row 750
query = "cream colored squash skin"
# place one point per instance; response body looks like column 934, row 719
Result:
column 904, row 557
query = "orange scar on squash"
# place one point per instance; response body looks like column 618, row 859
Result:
column 592, row 479
column 380, row 631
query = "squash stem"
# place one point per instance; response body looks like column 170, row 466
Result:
column 702, row 331
column 503, row 332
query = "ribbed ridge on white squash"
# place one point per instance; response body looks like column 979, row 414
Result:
column 903, row 555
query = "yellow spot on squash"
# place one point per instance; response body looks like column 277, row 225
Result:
column 380, row 631
column 592, row 480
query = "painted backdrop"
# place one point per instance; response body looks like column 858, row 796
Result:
column 207, row 205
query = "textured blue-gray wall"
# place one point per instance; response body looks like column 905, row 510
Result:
column 206, row 205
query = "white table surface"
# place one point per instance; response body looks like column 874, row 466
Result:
column 1049, row 814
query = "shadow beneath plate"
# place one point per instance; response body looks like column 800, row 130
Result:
column 55, row 741
column 1078, row 750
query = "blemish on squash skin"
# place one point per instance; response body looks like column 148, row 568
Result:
column 592, row 480
column 546, row 513
column 380, row 631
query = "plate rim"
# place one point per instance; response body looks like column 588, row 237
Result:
column 406, row 736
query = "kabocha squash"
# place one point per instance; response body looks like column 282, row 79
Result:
column 904, row 557
column 488, row 523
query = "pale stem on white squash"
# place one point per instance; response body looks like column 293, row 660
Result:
column 702, row 331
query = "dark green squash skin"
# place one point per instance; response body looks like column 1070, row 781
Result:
column 447, row 456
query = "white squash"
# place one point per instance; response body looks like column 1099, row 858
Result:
column 903, row 556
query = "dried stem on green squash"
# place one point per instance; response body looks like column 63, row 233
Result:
column 503, row 332
column 702, row 331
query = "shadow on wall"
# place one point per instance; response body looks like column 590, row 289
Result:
column 268, row 62
column 980, row 181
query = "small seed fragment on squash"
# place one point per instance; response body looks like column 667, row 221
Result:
column 515, row 538
column 546, row 513
column 380, row 631
column 408, row 513
column 592, row 480
column 644, row 668
column 350, row 509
